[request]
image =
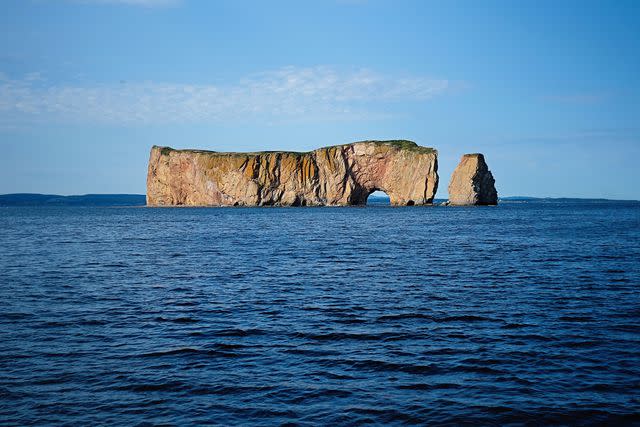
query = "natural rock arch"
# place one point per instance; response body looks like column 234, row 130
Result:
column 338, row 175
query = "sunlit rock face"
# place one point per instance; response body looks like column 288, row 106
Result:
column 472, row 182
column 332, row 176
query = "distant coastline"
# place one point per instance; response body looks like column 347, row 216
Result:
column 560, row 199
column 37, row 199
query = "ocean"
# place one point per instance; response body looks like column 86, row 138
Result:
column 527, row 313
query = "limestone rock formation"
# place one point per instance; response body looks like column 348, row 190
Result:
column 472, row 183
column 338, row 175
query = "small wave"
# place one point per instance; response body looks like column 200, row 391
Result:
column 176, row 320
column 53, row 324
column 92, row 322
column 350, row 321
column 115, row 265
column 381, row 365
column 319, row 394
column 425, row 387
column 173, row 352
column 239, row 332
column 310, row 352
column 15, row 316
column 190, row 351
column 620, row 280
column 516, row 325
column 58, row 379
column 271, row 312
column 383, row 415
column 580, row 344
column 341, row 336
column 477, row 370
column 150, row 387
column 224, row 390
column 184, row 303
column 331, row 375
column 444, row 351
column 464, row 318
column 403, row 316
column 477, row 361
column 576, row 318
column 626, row 328
column 7, row 394
column 10, row 357
column 530, row 337
column 227, row 346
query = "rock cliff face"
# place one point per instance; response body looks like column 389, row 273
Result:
column 472, row 182
column 338, row 175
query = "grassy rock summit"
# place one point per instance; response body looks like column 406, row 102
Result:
column 472, row 182
column 332, row 176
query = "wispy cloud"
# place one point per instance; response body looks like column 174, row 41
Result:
column 317, row 93
column 143, row 3
column 577, row 98
column 600, row 136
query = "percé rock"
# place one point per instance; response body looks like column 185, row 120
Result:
column 472, row 183
column 333, row 176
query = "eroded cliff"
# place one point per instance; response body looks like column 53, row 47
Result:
column 337, row 175
column 472, row 182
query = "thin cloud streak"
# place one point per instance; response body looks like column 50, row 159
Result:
column 598, row 136
column 142, row 3
column 577, row 98
column 317, row 93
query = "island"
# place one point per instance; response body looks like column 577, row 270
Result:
column 339, row 175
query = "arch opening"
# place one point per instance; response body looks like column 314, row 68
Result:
column 378, row 198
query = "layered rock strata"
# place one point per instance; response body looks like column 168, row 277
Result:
column 472, row 183
column 333, row 176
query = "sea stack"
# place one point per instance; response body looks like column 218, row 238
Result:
column 472, row 183
column 332, row 176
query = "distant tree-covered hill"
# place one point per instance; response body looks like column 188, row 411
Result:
column 34, row 199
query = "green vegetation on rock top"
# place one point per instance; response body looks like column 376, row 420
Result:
column 405, row 145
column 397, row 143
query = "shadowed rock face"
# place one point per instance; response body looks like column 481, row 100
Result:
column 472, row 183
column 338, row 175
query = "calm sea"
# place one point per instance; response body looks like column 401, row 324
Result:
column 525, row 313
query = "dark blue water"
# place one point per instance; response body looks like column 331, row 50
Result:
column 527, row 313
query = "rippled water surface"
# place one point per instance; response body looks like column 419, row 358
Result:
column 522, row 313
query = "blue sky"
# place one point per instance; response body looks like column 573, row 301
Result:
column 549, row 91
